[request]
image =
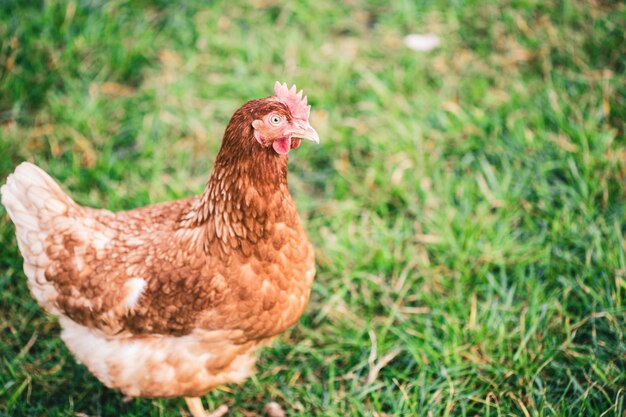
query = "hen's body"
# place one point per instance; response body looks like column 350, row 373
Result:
column 170, row 299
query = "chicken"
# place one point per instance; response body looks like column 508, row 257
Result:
column 173, row 299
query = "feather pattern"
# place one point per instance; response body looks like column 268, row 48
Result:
column 172, row 299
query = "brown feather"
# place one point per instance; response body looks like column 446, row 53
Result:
column 234, row 262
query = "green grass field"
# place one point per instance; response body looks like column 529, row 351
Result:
column 467, row 205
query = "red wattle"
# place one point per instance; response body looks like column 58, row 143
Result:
column 282, row 146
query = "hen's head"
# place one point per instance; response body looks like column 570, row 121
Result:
column 282, row 121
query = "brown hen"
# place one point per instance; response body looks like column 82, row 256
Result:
column 173, row 299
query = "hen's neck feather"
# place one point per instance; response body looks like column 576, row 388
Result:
column 247, row 188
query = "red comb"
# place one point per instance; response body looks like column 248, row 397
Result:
column 295, row 101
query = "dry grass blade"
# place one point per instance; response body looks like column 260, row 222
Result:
column 376, row 365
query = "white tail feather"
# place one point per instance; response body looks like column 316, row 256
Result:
column 31, row 195
column 36, row 204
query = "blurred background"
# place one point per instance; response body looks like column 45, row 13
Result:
column 467, row 202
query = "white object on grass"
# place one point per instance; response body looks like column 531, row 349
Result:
column 422, row 42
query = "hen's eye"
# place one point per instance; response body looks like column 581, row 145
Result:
column 275, row 119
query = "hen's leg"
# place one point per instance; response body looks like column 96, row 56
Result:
column 195, row 406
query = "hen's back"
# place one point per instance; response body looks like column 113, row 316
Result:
column 94, row 266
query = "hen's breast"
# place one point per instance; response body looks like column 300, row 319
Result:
column 270, row 287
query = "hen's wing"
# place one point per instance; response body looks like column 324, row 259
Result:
column 139, row 271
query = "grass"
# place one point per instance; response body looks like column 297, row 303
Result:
column 467, row 205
